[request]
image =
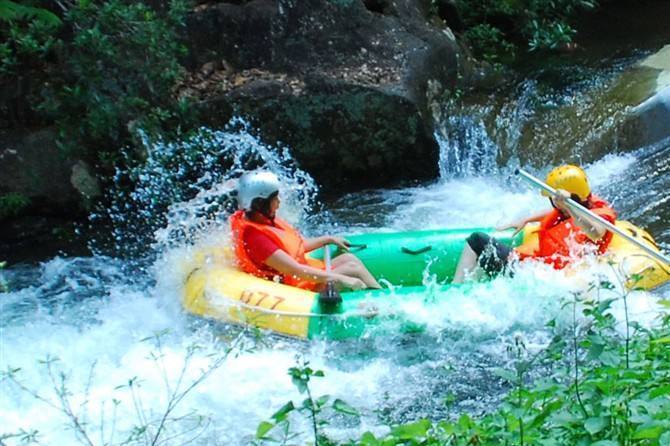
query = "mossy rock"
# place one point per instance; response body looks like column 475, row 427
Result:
column 351, row 137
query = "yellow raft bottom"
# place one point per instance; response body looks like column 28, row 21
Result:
column 247, row 299
column 640, row 270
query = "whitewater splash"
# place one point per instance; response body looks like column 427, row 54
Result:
column 122, row 340
column 102, row 320
column 185, row 189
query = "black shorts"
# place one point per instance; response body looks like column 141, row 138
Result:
column 492, row 255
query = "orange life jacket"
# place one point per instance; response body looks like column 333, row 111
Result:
column 558, row 235
column 285, row 236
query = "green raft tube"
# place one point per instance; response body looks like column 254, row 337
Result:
column 403, row 261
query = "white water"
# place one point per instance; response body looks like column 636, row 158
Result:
column 99, row 311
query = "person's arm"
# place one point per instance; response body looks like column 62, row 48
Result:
column 593, row 230
column 285, row 264
column 317, row 242
column 519, row 224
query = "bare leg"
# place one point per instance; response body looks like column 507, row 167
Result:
column 350, row 265
column 466, row 264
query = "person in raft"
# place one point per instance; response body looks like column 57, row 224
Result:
column 267, row 246
column 562, row 235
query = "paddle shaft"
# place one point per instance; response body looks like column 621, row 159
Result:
column 329, row 293
column 578, row 208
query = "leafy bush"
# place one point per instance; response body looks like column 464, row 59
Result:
column 489, row 43
column 12, row 204
column 98, row 69
column 278, row 430
column 494, row 27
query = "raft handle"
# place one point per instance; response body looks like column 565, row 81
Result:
column 416, row 251
column 355, row 247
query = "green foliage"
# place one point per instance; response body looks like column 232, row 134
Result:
column 495, row 27
column 12, row 204
column 28, row 37
column 278, row 430
column 121, row 66
column 11, row 11
column 489, row 43
column 100, row 71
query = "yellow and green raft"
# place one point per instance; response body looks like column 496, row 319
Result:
column 215, row 289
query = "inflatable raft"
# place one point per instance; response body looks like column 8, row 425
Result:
column 215, row 289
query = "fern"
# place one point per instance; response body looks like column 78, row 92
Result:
column 11, row 11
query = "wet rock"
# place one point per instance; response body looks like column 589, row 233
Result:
column 349, row 137
column 649, row 121
column 647, row 88
column 84, row 181
column 31, row 165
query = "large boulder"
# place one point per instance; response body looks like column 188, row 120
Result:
column 347, row 84
column 51, row 184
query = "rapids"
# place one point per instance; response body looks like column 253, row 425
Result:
column 105, row 339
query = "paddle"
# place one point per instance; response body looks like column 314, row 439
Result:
column 578, row 208
column 329, row 295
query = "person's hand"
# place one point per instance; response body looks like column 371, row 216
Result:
column 517, row 226
column 351, row 282
column 340, row 242
column 560, row 199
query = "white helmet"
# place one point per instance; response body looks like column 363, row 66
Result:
column 258, row 184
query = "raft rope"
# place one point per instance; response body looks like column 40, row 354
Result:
column 270, row 311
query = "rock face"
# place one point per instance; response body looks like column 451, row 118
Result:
column 649, row 121
column 347, row 84
column 33, row 166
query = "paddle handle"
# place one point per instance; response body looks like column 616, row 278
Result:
column 326, row 257
column 329, row 294
column 578, row 208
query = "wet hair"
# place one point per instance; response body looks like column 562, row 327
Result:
column 261, row 205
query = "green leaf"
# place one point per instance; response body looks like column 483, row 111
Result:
column 605, row 443
column 664, row 390
column 285, row 410
column 323, row 399
column 594, row 425
column 368, row 439
column 595, row 351
column 610, row 359
column 263, row 429
column 665, row 340
column 411, row 431
column 10, row 10
column 343, row 407
column 648, row 431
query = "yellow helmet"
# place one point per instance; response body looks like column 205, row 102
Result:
column 570, row 178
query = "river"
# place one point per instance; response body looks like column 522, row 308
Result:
column 104, row 338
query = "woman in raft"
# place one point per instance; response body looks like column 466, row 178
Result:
column 562, row 237
column 268, row 247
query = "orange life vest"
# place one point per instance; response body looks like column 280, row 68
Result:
column 559, row 236
column 285, row 236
